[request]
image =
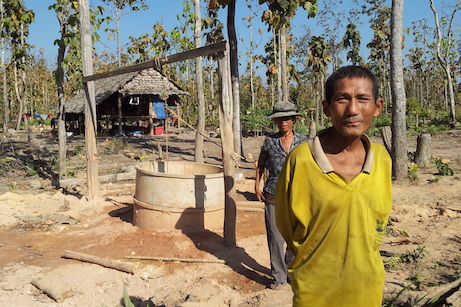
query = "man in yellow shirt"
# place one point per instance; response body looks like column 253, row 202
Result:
column 333, row 199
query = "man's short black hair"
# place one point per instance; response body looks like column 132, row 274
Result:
column 352, row 71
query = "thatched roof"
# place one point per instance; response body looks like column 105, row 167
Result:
column 144, row 82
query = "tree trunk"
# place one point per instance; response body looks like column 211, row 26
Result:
column 117, row 27
column 399, row 141
column 19, row 98
column 6, row 117
column 278, row 64
column 225, row 122
column 90, row 105
column 317, row 106
column 24, row 93
column 386, row 135
column 312, row 129
column 199, row 80
column 252, row 89
column 234, row 70
column 60, row 90
column 322, row 82
column 283, row 59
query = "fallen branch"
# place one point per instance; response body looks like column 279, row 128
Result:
column 175, row 259
column 444, row 293
column 48, row 289
column 389, row 254
column 124, row 267
column 454, row 208
column 403, row 241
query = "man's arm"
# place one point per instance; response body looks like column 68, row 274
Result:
column 258, row 176
column 283, row 211
column 260, row 166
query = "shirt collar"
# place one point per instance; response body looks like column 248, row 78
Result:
column 324, row 163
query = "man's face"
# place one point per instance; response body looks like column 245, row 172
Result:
column 352, row 106
column 285, row 124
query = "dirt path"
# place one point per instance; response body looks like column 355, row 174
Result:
column 38, row 223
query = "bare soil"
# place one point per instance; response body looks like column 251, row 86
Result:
column 39, row 221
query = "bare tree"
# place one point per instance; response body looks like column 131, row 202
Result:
column 444, row 56
column 118, row 9
column 66, row 12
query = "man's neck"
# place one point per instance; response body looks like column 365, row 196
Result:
column 286, row 134
column 335, row 143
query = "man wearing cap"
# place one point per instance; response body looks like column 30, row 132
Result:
column 274, row 151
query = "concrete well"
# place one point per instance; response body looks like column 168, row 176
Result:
column 186, row 196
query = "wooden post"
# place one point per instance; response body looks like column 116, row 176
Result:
column 178, row 112
column 119, row 109
column 423, row 153
column 81, row 126
column 227, row 139
column 90, row 105
column 151, row 118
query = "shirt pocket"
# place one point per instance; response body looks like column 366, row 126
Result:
column 377, row 222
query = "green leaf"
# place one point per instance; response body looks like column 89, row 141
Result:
column 126, row 298
column 311, row 8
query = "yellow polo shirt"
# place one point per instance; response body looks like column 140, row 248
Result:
column 334, row 226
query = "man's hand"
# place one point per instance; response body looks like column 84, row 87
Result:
column 259, row 195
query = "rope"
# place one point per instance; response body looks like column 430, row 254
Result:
column 235, row 156
column 188, row 125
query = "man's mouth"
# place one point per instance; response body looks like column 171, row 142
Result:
column 352, row 123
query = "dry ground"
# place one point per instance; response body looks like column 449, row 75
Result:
column 38, row 222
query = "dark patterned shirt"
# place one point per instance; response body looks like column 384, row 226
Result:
column 273, row 156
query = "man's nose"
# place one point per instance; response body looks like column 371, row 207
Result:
column 353, row 107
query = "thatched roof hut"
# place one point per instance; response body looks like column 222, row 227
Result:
column 145, row 82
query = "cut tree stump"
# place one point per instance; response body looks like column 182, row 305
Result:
column 423, row 153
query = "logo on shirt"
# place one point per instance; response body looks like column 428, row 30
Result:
column 380, row 226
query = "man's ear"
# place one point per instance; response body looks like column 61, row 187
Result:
column 379, row 107
column 325, row 106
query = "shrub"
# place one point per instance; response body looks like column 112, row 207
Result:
column 442, row 167
column 256, row 120
column 116, row 145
